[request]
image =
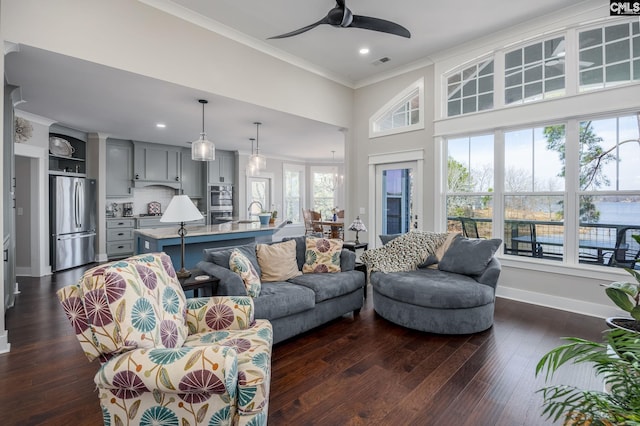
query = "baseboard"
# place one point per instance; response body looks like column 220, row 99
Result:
column 5, row 346
column 562, row 303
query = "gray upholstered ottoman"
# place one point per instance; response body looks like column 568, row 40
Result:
column 439, row 300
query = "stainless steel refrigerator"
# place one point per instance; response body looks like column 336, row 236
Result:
column 72, row 208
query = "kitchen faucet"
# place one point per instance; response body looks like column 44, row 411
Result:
column 251, row 205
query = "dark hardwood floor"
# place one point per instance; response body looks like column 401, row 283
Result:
column 358, row 370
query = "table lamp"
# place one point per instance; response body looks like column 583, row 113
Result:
column 357, row 226
column 180, row 210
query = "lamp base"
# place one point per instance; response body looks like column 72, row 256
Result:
column 183, row 273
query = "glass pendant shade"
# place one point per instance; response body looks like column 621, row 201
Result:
column 257, row 162
column 203, row 149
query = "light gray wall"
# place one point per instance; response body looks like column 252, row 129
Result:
column 368, row 100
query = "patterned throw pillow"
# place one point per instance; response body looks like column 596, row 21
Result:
column 322, row 255
column 241, row 265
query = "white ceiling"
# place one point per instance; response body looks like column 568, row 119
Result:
column 91, row 97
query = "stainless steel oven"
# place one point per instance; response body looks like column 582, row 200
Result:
column 220, row 203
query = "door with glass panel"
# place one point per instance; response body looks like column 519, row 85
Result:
column 397, row 201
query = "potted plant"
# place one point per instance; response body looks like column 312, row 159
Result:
column 274, row 216
column 617, row 360
column 626, row 295
column 264, row 217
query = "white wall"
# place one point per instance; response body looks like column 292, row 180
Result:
column 571, row 288
column 132, row 36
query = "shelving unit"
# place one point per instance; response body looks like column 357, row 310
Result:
column 75, row 165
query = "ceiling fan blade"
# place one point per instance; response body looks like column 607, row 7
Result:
column 382, row 25
column 302, row 30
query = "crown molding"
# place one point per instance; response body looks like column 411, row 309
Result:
column 35, row 118
column 188, row 15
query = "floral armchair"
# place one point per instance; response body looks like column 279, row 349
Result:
column 167, row 359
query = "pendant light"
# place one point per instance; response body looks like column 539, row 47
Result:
column 203, row 149
column 258, row 162
column 250, row 164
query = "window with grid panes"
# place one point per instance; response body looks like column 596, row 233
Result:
column 535, row 71
column 471, row 89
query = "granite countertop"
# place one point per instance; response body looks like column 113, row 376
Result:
column 197, row 230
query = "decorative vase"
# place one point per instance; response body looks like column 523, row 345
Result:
column 335, row 217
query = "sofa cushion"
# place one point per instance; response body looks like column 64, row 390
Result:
column 279, row 299
column 322, row 255
column 433, row 288
column 441, row 250
column 328, row 286
column 469, row 256
column 277, row 261
column 241, row 265
column 403, row 253
column 221, row 257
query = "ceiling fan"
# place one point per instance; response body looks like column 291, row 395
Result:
column 341, row 16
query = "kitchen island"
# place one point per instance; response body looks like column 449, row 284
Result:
column 200, row 237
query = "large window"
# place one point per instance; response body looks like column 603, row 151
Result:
column 534, row 191
column 609, row 55
column 470, row 185
column 535, row 71
column 293, row 190
column 471, row 89
column 324, row 181
column 570, row 191
column 609, row 196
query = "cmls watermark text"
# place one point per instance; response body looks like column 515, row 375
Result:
column 618, row 8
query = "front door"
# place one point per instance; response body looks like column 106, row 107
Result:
column 397, row 204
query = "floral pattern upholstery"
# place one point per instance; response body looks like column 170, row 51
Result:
column 241, row 265
column 322, row 255
column 168, row 360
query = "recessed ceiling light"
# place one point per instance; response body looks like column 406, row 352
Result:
column 364, row 50
column 161, row 125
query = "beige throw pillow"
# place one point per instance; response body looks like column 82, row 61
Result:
column 440, row 251
column 277, row 261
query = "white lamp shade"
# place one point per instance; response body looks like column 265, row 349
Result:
column 203, row 149
column 181, row 209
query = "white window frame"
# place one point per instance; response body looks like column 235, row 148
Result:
column 460, row 69
column 393, row 104
column 301, row 170
column 544, row 79
column 321, row 169
column 604, row 85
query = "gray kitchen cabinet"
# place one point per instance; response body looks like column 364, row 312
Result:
column 120, row 237
column 156, row 164
column 222, row 169
column 193, row 175
column 119, row 167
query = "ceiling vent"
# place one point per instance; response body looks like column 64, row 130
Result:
column 381, row 61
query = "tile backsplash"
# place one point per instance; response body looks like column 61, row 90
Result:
column 143, row 196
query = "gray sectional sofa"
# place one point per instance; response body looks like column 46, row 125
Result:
column 300, row 303
column 456, row 296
